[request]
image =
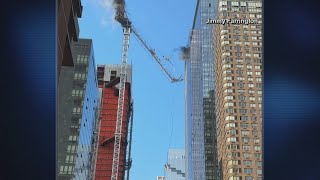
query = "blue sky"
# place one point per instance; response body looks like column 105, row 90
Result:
column 159, row 105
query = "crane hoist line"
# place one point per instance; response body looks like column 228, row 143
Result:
column 122, row 18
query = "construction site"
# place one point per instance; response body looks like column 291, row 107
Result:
column 99, row 135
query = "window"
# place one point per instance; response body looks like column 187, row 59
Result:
column 228, row 78
column 230, row 118
column 227, row 66
column 239, row 72
column 61, row 170
column 240, row 78
column 257, row 148
column 257, row 155
column 258, row 73
column 255, row 133
column 233, row 154
column 251, row 91
column 242, row 104
column 228, row 91
column 259, row 171
column 239, row 66
column 242, row 97
column 230, row 110
column 234, row 162
column 234, row 3
column 250, row 85
column 228, row 72
column 258, row 79
column 246, row 147
column 113, row 75
column 233, row 146
column 252, row 111
column 254, row 125
column 258, row 163
column 244, row 125
column 252, row 105
column 247, row 155
column 228, row 125
column 239, row 60
column 240, row 84
column 232, row 132
column 249, row 73
column 247, row 170
column 72, row 138
column 228, row 104
column 225, row 53
column 258, row 61
column 243, row 111
column 247, row 162
column 244, row 132
column 234, row 170
column 257, row 67
column 245, row 140
column 252, row 98
column 232, row 139
column 227, row 84
column 238, row 54
column 243, row 118
column 234, row 178
column 249, row 177
column 249, row 66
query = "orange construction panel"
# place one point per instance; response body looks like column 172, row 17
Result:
column 107, row 130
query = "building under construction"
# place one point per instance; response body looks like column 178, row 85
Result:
column 108, row 81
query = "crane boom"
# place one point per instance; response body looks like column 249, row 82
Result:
column 156, row 58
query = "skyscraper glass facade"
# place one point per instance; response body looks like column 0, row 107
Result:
column 200, row 119
column 77, row 117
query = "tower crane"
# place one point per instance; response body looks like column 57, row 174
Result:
column 126, row 24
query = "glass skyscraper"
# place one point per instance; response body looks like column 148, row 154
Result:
column 199, row 95
column 77, row 114
column 175, row 167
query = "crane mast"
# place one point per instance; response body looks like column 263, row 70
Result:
column 123, row 79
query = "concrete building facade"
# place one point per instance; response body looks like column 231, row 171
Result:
column 77, row 114
column 238, row 72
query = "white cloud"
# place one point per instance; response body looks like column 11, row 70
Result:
column 107, row 5
column 108, row 12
